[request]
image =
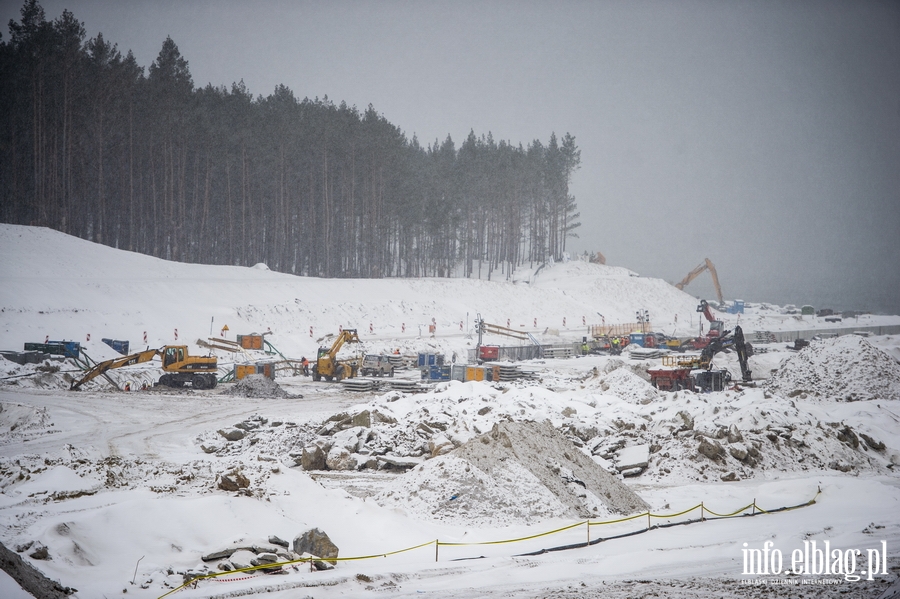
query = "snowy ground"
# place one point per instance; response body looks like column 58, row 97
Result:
column 123, row 489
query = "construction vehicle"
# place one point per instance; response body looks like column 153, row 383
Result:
column 327, row 365
column 705, row 265
column 376, row 365
column 730, row 340
column 695, row 373
column 179, row 366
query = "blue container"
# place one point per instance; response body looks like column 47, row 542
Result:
column 636, row 339
column 119, row 346
column 71, row 349
column 737, row 307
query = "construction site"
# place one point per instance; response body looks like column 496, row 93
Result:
column 538, row 425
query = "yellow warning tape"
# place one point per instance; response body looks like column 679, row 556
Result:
column 438, row 543
column 535, row 536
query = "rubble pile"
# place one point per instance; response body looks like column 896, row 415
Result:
column 846, row 368
column 519, row 472
column 257, row 386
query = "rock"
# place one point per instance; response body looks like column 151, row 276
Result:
column 224, row 567
column 211, row 557
column 234, row 434
column 341, row 459
column 631, row 472
column 711, row 449
column 316, row 543
column 278, row 541
column 636, row 456
column 209, row 448
column 439, row 445
column 233, row 481
column 380, row 418
column 876, row 445
column 363, row 419
column 568, row 412
column 263, row 559
column 734, row 434
column 312, row 458
column 687, row 421
column 242, row 558
column 730, row 477
column 400, row 462
column 41, row 552
column 739, row 452
column 348, row 439
column 247, row 426
column 840, row 465
column 484, row 410
column 846, row 435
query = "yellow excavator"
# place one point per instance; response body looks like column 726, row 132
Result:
column 179, row 366
column 705, row 265
column 327, row 364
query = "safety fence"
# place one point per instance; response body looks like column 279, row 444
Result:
column 749, row 510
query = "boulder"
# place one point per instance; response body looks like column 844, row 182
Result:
column 278, row 541
column 734, row 434
column 348, row 439
column 315, row 542
column 846, row 435
column 739, row 452
column 711, row 449
column 312, row 458
column 636, row 456
column 341, row 459
column 363, row 419
column 234, row 434
column 233, row 481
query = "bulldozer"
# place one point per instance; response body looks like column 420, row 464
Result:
column 327, row 365
column 179, row 367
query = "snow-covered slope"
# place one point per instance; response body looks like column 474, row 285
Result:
column 67, row 288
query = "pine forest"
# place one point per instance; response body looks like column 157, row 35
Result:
column 94, row 145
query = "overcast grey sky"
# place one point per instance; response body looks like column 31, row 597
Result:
column 764, row 135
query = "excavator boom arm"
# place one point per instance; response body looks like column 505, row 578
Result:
column 705, row 265
column 103, row 367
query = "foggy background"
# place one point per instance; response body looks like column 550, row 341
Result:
column 762, row 135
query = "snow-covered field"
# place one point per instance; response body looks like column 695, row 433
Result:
column 123, row 493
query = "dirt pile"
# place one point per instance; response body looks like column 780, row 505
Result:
column 258, row 386
column 847, row 368
column 519, row 472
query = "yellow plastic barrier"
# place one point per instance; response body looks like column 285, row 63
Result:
column 587, row 523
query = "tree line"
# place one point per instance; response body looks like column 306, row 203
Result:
column 94, row 146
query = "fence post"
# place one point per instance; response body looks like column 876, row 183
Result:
column 436, row 545
column 648, row 520
column 702, row 512
column 588, row 524
column 754, row 506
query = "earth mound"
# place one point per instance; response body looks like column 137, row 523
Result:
column 846, row 368
column 518, row 473
column 258, row 386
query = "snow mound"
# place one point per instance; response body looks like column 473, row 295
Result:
column 518, row 473
column 846, row 368
column 627, row 385
column 258, row 386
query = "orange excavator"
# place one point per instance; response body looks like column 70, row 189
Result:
column 705, row 265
